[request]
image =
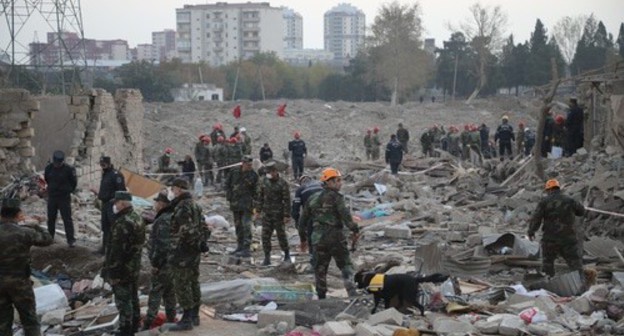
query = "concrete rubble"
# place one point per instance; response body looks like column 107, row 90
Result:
column 438, row 215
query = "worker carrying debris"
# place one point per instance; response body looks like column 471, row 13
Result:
column 555, row 215
column 329, row 215
column 15, row 284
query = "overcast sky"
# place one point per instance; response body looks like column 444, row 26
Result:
column 134, row 20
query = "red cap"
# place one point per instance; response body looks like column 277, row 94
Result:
column 376, row 129
column 168, row 150
column 467, row 127
column 559, row 119
column 233, row 140
column 220, row 139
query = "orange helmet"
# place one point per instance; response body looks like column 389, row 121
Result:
column 218, row 126
column 168, row 150
column 552, row 183
column 329, row 173
column 297, row 135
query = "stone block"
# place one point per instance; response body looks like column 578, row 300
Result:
column 2, row 154
column 487, row 327
column 337, row 329
column 398, row 232
column 511, row 326
column 519, row 298
column 24, row 142
column 53, row 317
column 30, row 105
column 448, row 325
column 266, row 317
column 9, row 142
column 26, row 152
column 582, row 305
column 365, row 329
column 388, row 316
column 454, row 236
column 27, row 132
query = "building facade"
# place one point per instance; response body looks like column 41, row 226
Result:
column 52, row 52
column 293, row 29
column 345, row 29
column 164, row 44
column 221, row 33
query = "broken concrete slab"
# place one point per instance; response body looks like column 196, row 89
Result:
column 266, row 317
column 488, row 327
column 511, row 326
column 582, row 305
column 388, row 316
column 365, row 329
column 337, row 329
column 53, row 317
column 545, row 328
column 398, row 232
column 449, row 325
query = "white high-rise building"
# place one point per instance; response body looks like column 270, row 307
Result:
column 345, row 29
column 224, row 32
column 164, row 44
column 293, row 29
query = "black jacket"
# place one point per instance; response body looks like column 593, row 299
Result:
column 394, row 152
column 302, row 194
column 112, row 181
column 504, row 133
column 265, row 154
column 298, row 148
column 61, row 180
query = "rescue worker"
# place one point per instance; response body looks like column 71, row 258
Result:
column 219, row 154
column 394, row 154
column 203, row 156
column 123, row 262
column 329, row 215
column 246, row 141
column 529, row 141
column 15, row 285
column 484, row 134
column 236, row 132
column 454, row 144
column 403, row 137
column 558, row 134
column 111, row 182
column 233, row 154
column 188, row 233
column 61, row 179
column 307, row 188
column 368, row 144
column 520, row 138
column 164, row 161
column 376, row 144
column 476, row 157
column 272, row 206
column 298, row 150
column 548, row 133
column 240, row 191
column 266, row 153
column 217, row 131
column 426, row 142
column 437, row 133
column 465, row 142
column 504, row 135
column 158, row 250
column 574, row 127
column 555, row 215
column 188, row 168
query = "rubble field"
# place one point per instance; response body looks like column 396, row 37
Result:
column 438, row 215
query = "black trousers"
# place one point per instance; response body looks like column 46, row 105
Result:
column 504, row 146
column 106, row 223
column 394, row 167
column 297, row 166
column 62, row 204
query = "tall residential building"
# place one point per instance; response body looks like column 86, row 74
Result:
column 345, row 29
column 164, row 44
column 293, row 29
column 50, row 52
column 145, row 52
column 224, row 32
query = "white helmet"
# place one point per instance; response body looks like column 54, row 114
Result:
column 526, row 129
column 243, row 129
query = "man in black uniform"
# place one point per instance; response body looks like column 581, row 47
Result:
column 61, row 179
column 394, row 154
column 504, row 135
column 299, row 152
column 112, row 181
column 307, row 188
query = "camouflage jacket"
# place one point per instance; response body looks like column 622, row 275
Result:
column 218, row 154
column 402, row 135
column 368, row 141
column 556, row 212
column 273, row 197
column 465, row 138
column 16, row 241
column 426, row 139
column 240, row 189
column 376, row 141
column 164, row 162
column 202, row 154
column 233, row 153
column 159, row 245
column 123, row 258
column 247, row 145
column 329, row 214
column 475, row 139
column 187, row 231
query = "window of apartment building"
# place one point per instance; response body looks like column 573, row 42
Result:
column 207, row 16
column 183, row 16
column 208, row 35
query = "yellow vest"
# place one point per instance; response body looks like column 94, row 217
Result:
column 376, row 283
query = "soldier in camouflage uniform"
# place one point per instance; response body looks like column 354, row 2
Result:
column 426, row 142
column 240, row 191
column 376, row 144
column 15, row 285
column 246, row 141
column 219, row 157
column 204, row 159
column 330, row 218
column 188, row 232
column 123, row 262
column 368, row 144
column 273, row 206
column 475, row 145
column 158, row 252
column 556, row 212
column 465, row 142
column 233, row 154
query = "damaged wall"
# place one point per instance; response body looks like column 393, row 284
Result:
column 615, row 133
column 17, row 111
column 84, row 126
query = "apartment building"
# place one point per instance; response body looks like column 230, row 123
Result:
column 164, row 44
column 345, row 29
column 223, row 32
column 71, row 48
column 293, row 29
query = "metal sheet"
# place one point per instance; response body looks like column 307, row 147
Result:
column 569, row 284
column 430, row 257
column 602, row 247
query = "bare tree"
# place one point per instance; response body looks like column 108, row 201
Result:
column 567, row 32
column 396, row 48
column 484, row 28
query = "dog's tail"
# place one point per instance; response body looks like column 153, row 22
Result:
column 435, row 278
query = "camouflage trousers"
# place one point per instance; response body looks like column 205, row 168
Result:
column 375, row 155
column 369, row 153
column 127, row 303
column 205, row 171
column 568, row 250
column 161, row 290
column 17, row 292
column 242, row 223
column 186, row 284
column 327, row 246
column 272, row 223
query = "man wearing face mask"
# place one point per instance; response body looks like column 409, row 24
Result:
column 273, row 201
column 61, row 179
column 123, row 262
column 187, row 234
column 240, row 191
column 111, row 182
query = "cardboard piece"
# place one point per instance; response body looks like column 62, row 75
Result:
column 141, row 186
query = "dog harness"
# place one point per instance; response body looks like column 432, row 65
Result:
column 376, row 283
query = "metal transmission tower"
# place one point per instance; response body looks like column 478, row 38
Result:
column 57, row 63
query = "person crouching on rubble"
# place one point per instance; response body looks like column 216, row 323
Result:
column 555, row 215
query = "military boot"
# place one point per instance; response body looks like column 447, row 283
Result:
column 147, row 323
column 267, row 259
column 195, row 316
column 186, row 323
column 244, row 253
column 287, row 256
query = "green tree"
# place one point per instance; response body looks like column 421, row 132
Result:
column 453, row 66
column 593, row 47
column 620, row 41
column 155, row 84
column 514, row 60
column 538, row 70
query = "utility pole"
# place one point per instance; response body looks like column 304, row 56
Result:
column 455, row 74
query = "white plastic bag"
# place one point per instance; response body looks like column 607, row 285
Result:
column 49, row 297
column 533, row 315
